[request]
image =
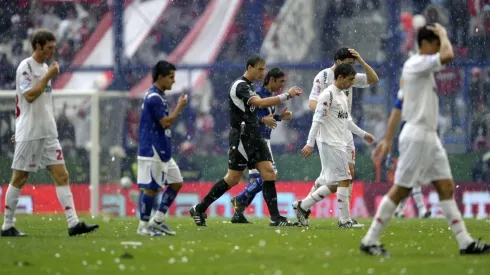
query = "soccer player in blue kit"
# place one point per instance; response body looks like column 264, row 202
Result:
column 273, row 83
column 156, row 167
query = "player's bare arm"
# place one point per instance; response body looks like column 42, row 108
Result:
column 275, row 100
column 38, row 89
column 269, row 121
column 356, row 130
column 386, row 143
column 372, row 77
column 312, row 104
column 166, row 122
column 286, row 115
column 446, row 50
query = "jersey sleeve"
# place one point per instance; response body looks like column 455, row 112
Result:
column 428, row 64
column 361, row 81
column 244, row 93
column 316, row 89
column 24, row 78
column 323, row 106
column 156, row 107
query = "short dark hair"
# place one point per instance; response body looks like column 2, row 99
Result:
column 342, row 54
column 162, row 68
column 274, row 73
column 426, row 34
column 41, row 37
column 344, row 70
column 254, row 59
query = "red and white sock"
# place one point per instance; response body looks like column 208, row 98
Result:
column 383, row 216
column 65, row 198
column 343, row 204
column 11, row 199
column 453, row 217
column 318, row 195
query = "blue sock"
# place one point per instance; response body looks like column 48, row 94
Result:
column 253, row 188
column 146, row 205
column 167, row 198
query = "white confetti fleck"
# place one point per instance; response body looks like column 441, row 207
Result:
column 278, row 231
column 171, row 247
column 102, row 249
column 84, row 262
column 171, row 261
column 370, row 270
column 122, row 267
column 470, row 271
column 262, row 243
column 184, row 259
column 117, row 260
column 99, row 262
column 236, row 247
column 57, row 255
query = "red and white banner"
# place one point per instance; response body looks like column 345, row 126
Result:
column 473, row 199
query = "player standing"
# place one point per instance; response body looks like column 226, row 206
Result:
column 422, row 156
column 36, row 136
column 395, row 117
column 273, row 83
column 331, row 121
column 247, row 147
column 156, row 167
column 324, row 79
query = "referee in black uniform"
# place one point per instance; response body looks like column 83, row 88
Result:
column 247, row 147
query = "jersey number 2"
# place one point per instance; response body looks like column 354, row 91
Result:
column 59, row 154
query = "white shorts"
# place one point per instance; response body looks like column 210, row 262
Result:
column 32, row 155
column 422, row 159
column 351, row 148
column 254, row 172
column 153, row 174
column 335, row 165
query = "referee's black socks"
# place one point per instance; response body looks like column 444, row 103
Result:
column 215, row 193
column 270, row 197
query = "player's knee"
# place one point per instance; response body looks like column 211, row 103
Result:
column 268, row 174
column 19, row 178
column 398, row 193
column 232, row 180
column 150, row 192
column 445, row 189
column 61, row 178
column 176, row 186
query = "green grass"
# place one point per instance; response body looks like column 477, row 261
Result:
column 418, row 247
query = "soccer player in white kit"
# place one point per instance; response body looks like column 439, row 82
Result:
column 422, row 157
column 331, row 121
column 36, row 135
column 324, row 79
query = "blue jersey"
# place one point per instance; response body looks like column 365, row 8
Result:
column 153, row 138
column 264, row 130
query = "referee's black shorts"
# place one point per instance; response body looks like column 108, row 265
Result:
column 246, row 149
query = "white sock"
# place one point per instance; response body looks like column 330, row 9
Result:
column 453, row 217
column 343, row 204
column 159, row 216
column 11, row 199
column 381, row 219
column 65, row 198
column 315, row 186
column 419, row 200
column 318, row 195
column 351, row 185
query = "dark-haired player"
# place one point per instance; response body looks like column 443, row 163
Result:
column 156, row 167
column 247, row 147
column 273, row 83
column 422, row 159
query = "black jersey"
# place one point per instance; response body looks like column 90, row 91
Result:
column 241, row 92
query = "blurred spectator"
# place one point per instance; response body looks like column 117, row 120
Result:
column 475, row 90
column 479, row 125
column 7, row 73
column 188, row 166
column 459, row 21
column 481, row 168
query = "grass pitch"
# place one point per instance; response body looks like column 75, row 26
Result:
column 418, row 247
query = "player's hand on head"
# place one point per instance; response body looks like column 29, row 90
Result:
column 369, row 138
column 306, row 151
column 438, row 29
column 381, row 150
column 269, row 121
column 286, row 115
column 182, row 100
column 295, row 91
column 355, row 54
column 54, row 69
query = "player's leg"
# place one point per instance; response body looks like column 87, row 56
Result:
column 244, row 199
column 53, row 159
column 174, row 181
column 418, row 197
column 150, row 180
column 399, row 208
column 441, row 177
column 27, row 158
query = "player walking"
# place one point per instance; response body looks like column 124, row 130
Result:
column 273, row 83
column 331, row 120
column 324, row 79
column 247, row 147
column 156, row 167
column 36, row 136
column 422, row 157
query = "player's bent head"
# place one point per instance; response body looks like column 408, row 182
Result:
column 344, row 75
column 343, row 55
column 255, row 67
column 428, row 41
column 163, row 74
column 44, row 42
column 275, row 78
